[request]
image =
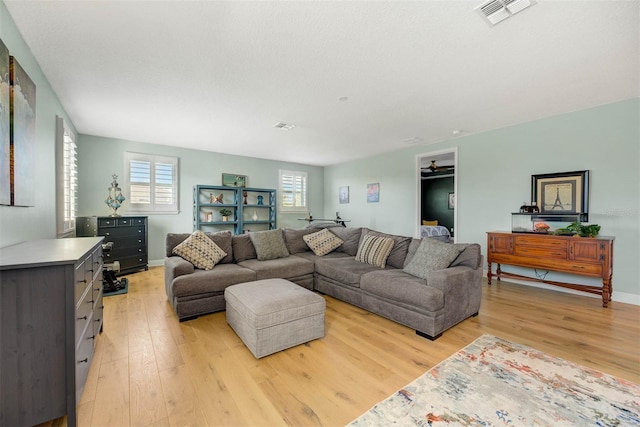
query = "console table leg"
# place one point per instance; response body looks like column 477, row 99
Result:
column 498, row 272
column 489, row 273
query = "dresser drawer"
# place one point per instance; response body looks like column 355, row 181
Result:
column 80, row 281
column 119, row 232
column 131, row 262
column 98, row 310
column 83, row 358
column 545, row 242
column 83, row 313
column 554, row 253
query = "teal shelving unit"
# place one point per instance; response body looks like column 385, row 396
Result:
column 253, row 209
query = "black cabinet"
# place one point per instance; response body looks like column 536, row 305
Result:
column 128, row 234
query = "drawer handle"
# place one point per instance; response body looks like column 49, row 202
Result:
column 91, row 270
column 97, row 320
column 82, row 318
column 91, row 338
column 85, row 360
column 107, row 234
column 82, row 281
column 140, row 259
column 139, row 231
column 139, row 249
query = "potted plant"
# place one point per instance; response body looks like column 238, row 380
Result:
column 579, row 229
column 225, row 214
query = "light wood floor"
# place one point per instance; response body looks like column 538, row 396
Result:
column 151, row 370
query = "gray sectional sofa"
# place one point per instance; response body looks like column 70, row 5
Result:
column 430, row 306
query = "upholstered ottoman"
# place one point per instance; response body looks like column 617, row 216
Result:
column 274, row 314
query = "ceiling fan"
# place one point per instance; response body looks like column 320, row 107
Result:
column 435, row 168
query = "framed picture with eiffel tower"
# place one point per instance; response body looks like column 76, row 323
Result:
column 561, row 193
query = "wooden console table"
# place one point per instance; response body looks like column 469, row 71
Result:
column 592, row 257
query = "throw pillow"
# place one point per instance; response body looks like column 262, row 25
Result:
column 200, row 251
column 322, row 242
column 374, row 250
column 269, row 244
column 432, row 255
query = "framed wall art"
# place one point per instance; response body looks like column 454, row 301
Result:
column 23, row 135
column 343, row 195
column 373, row 192
column 5, row 123
column 562, row 193
column 233, row 180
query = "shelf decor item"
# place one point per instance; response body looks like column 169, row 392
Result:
column 225, row 214
column 115, row 198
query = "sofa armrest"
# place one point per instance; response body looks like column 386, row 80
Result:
column 462, row 289
column 175, row 266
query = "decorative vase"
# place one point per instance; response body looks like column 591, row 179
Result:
column 115, row 198
column 225, row 218
column 255, row 216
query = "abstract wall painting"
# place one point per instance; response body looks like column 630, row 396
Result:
column 373, row 192
column 5, row 183
column 23, row 135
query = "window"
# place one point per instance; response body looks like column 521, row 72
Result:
column 152, row 182
column 293, row 191
column 66, row 180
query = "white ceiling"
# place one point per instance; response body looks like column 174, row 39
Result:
column 217, row 75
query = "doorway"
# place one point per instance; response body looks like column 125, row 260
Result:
column 436, row 184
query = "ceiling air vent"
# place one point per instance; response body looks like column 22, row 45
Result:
column 495, row 11
column 284, row 126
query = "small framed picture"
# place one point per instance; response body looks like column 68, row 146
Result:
column 343, row 195
column 452, row 200
column 373, row 192
column 233, row 180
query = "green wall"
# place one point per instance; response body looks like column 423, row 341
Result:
column 99, row 158
column 494, row 174
column 18, row 224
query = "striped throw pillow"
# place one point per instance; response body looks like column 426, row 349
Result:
column 374, row 250
column 322, row 242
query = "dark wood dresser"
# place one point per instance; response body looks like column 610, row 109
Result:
column 129, row 235
column 591, row 257
column 50, row 314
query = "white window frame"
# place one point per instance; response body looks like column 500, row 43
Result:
column 66, row 180
column 287, row 200
column 153, row 207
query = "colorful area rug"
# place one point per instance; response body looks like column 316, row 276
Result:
column 493, row 382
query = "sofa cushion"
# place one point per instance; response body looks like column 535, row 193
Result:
column 284, row 268
column 200, row 251
column 310, row 256
column 400, row 247
column 221, row 238
column 322, row 242
column 294, row 239
column 374, row 250
column 344, row 270
column 413, row 247
column 398, row 286
column 471, row 256
column 432, row 255
column 243, row 248
column 269, row 244
column 350, row 238
column 206, row 282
